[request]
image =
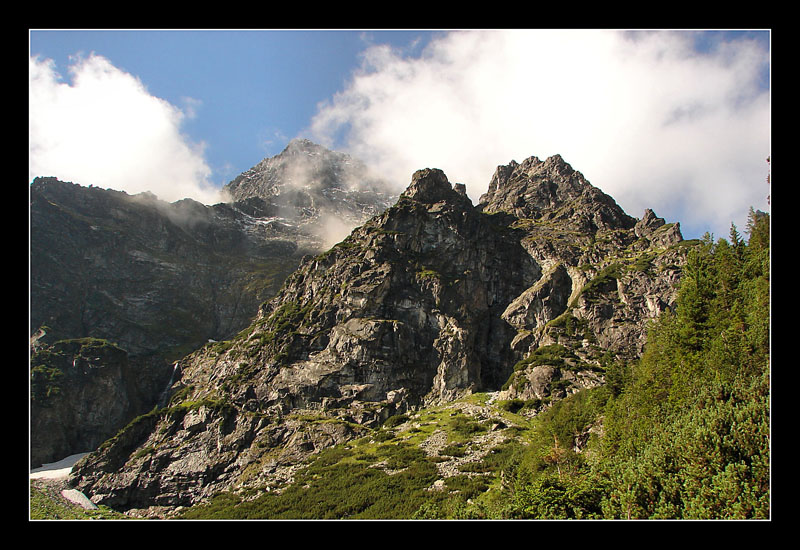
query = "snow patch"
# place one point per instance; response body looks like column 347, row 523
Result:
column 56, row 470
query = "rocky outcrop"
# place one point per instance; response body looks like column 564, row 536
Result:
column 82, row 391
column 552, row 191
column 532, row 292
column 604, row 275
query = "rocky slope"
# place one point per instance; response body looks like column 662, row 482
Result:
column 160, row 279
column 533, row 291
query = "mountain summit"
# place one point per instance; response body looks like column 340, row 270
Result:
column 553, row 190
column 308, row 184
column 529, row 294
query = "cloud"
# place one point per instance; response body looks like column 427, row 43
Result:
column 105, row 129
column 642, row 115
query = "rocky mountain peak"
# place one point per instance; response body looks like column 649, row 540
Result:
column 305, row 146
column 303, row 165
column 552, row 181
column 552, row 190
column 309, row 184
column 431, row 185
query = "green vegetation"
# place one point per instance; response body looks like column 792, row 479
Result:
column 341, row 482
column 686, row 428
column 287, row 316
column 46, row 502
column 174, row 412
column 349, row 243
column 50, row 364
column 45, row 377
column 394, row 421
column 604, row 279
column 555, row 355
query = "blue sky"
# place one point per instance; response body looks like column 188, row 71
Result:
column 677, row 122
column 251, row 91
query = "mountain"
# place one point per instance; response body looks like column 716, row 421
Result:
column 306, row 185
column 158, row 280
column 529, row 295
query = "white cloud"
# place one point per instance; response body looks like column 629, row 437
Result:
column 642, row 115
column 105, row 129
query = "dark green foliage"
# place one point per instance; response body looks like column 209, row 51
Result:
column 605, row 280
column 550, row 496
column 333, row 487
column 708, row 459
column 643, row 262
column 453, row 450
column 504, row 458
column 686, row 428
column 511, row 405
column 384, row 435
column 466, row 427
column 395, row 420
column 572, row 326
column 400, row 455
column 689, row 432
column 287, row 316
column 467, row 486
column 553, row 354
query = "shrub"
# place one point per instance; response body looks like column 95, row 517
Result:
column 394, row 421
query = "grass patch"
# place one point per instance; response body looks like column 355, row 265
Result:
column 602, row 282
column 553, row 354
column 337, row 486
column 47, row 503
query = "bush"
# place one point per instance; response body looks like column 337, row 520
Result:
column 394, row 421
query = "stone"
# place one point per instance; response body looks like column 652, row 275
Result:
column 78, row 498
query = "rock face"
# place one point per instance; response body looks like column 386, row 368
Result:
column 149, row 275
column 156, row 279
column 160, row 279
column 532, row 292
column 81, row 391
